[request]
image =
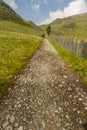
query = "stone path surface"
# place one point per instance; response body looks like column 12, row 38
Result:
column 46, row 96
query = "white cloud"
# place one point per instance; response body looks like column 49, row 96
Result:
column 11, row 3
column 36, row 4
column 75, row 7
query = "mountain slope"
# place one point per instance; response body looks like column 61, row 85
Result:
column 70, row 26
column 11, row 21
column 6, row 13
column 34, row 25
column 74, row 18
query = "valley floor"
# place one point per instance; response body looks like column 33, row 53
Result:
column 48, row 95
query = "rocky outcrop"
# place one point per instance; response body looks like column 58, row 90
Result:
column 79, row 48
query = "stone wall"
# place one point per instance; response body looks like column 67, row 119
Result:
column 79, row 48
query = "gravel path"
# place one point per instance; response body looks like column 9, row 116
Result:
column 46, row 96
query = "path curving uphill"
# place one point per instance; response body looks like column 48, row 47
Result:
column 46, row 96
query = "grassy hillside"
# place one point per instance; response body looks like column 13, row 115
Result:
column 15, row 51
column 15, row 27
column 70, row 26
column 34, row 25
column 18, row 42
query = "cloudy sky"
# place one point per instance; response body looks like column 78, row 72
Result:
column 46, row 11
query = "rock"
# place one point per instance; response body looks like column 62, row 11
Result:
column 20, row 128
column 24, row 119
column 67, row 116
column 74, row 109
column 60, row 108
column 19, row 105
column 85, row 103
column 58, row 124
column 7, row 117
column 19, row 98
column 56, row 111
column 69, row 88
column 85, row 108
column 63, row 82
column 12, row 119
column 80, row 121
column 80, row 99
column 60, row 85
column 5, row 124
column 16, row 125
column 70, row 96
column 15, row 106
column 77, row 81
column 65, row 77
column 78, row 112
column 22, row 90
column 8, row 128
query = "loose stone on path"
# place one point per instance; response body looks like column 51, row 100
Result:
column 48, row 95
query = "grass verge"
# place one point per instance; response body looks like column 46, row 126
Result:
column 17, row 28
column 14, row 54
column 78, row 64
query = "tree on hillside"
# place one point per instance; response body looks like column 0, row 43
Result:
column 48, row 30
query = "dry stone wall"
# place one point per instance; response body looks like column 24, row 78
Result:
column 79, row 48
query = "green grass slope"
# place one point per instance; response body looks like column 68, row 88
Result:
column 34, row 25
column 15, row 51
column 16, row 27
column 17, row 45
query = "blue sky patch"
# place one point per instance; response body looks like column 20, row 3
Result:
column 46, row 11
